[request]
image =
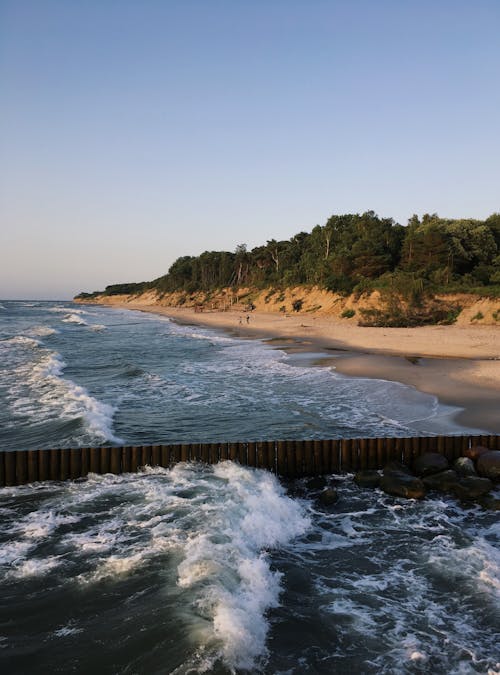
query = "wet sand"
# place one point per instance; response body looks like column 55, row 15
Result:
column 458, row 364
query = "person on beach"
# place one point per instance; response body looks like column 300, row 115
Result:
column 248, row 318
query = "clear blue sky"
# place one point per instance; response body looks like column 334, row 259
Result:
column 135, row 132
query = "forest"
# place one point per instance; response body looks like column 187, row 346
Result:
column 350, row 253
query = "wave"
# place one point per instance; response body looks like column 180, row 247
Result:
column 42, row 331
column 38, row 392
column 74, row 318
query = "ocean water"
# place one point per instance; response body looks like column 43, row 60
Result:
column 222, row 569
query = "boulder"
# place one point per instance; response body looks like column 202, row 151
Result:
column 367, row 478
column 443, row 481
column 489, row 502
column 488, row 465
column 402, row 485
column 429, row 463
column 316, row 483
column 328, row 497
column 464, row 466
column 475, row 452
column 396, row 467
column 472, row 487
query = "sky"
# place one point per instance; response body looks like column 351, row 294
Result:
column 134, row 132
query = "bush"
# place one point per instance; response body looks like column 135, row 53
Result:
column 297, row 305
column 478, row 317
column 348, row 313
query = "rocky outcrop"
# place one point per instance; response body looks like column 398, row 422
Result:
column 464, row 466
column 367, row 478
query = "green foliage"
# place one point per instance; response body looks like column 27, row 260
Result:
column 297, row 305
column 348, row 313
column 478, row 316
column 350, row 253
column 496, row 315
column 282, row 308
column 400, row 317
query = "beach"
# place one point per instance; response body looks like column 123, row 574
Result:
column 458, row 364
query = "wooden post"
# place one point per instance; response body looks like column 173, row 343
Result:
column 166, row 452
column 449, row 449
column 233, row 452
column 345, row 455
column 2, row 469
column 43, row 465
column 271, row 456
column 372, row 453
column 32, row 466
column 299, row 458
column 281, row 458
column 291, row 459
column 252, row 453
column 381, row 453
column 135, row 458
column 318, row 457
column 64, row 465
column 21, row 467
column 407, row 452
column 54, row 464
column 146, row 455
column 308, row 458
column 185, row 453
column 115, row 462
column 156, row 455
column 335, row 456
column 364, row 462
column 126, row 459
column 10, row 468
column 75, row 463
column 85, row 461
column 354, row 454
column 390, row 451
column 95, row 460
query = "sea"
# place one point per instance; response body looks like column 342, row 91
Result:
column 223, row 569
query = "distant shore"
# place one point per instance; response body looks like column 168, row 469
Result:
column 458, row 364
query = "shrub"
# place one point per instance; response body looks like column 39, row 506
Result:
column 282, row 308
column 348, row 313
column 297, row 305
column 478, row 317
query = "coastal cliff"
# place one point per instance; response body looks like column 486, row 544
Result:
column 364, row 309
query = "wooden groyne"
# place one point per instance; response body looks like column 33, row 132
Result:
column 293, row 458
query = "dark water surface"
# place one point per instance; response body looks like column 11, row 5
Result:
column 221, row 569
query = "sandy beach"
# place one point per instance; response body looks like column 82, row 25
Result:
column 458, row 364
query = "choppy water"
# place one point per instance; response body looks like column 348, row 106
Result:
column 221, row 569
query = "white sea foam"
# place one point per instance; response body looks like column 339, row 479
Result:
column 42, row 331
column 2, row 306
column 74, row 318
column 39, row 392
column 66, row 310
column 97, row 327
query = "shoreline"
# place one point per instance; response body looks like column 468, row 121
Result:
column 460, row 366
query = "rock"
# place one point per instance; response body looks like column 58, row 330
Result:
column 464, row 466
column 488, row 465
column 475, row 452
column 328, row 497
column 367, row 478
column 472, row 487
column 396, row 467
column 402, row 485
column 316, row 483
column 443, row 481
column 429, row 463
column 489, row 502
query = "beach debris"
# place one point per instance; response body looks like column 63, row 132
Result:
column 488, row 465
column 429, row 463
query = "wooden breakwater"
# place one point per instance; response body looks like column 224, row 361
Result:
column 293, row 458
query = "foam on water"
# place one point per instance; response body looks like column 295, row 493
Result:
column 209, row 527
column 37, row 392
column 74, row 318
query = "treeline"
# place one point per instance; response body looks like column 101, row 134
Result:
column 350, row 253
